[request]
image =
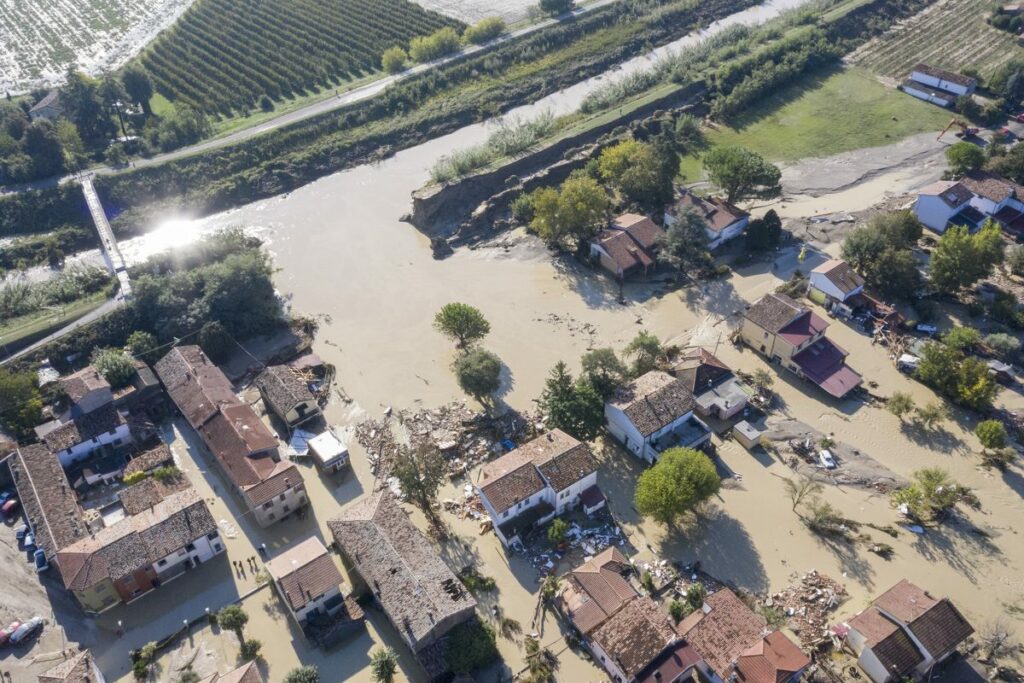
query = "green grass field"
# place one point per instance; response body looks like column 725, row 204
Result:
column 825, row 115
column 22, row 331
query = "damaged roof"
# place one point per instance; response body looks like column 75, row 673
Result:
column 412, row 583
column 282, row 389
column 49, row 502
column 597, row 589
column 635, row 635
column 718, row 213
column 773, row 312
column 723, row 630
column 653, row 401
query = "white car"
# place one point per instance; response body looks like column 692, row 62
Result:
column 826, row 460
column 26, row 630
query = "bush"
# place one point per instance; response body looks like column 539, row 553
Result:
column 471, row 646
column 555, row 7
column 677, row 610
column 134, row 478
column 115, row 365
column 303, row 674
column 250, row 649
column 393, row 60
column 557, row 531
column 992, row 434
column 1002, row 344
column 442, row 42
column 484, row 30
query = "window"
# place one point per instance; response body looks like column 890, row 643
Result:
column 161, row 563
column 269, row 504
column 298, row 487
column 271, row 517
column 281, row 497
column 504, row 514
column 190, row 547
column 217, row 547
column 302, row 500
column 112, row 431
column 212, row 536
column 287, row 509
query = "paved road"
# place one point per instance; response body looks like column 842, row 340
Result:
column 330, row 104
column 89, row 317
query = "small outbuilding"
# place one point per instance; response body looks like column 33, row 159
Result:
column 287, row 396
column 747, row 434
column 329, row 453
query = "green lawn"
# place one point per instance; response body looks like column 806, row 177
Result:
column 22, row 331
column 825, row 115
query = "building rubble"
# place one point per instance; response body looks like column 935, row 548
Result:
column 808, row 604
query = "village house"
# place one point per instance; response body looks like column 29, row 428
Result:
column 970, row 201
column 78, row 668
column 88, row 421
column 628, row 247
column 48, row 108
column 736, row 644
column 531, row 484
column 652, row 413
column 308, row 580
column 247, row 673
column 329, row 452
column 399, row 567
column 938, row 86
column 594, row 591
column 834, row 282
column 638, row 645
column 724, row 221
column 717, row 392
column 791, row 334
column 141, row 552
column 242, row 445
column 904, row 632
column 287, row 396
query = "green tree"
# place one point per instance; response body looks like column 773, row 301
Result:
column 962, row 338
column 216, row 342
column 801, row 489
column 555, row 7
column 964, row 157
column 960, row 259
column 900, row 404
column 21, row 406
column 1015, row 259
column 485, row 30
column 394, row 59
column 894, row 273
column 233, row 618
column 82, row 103
column 932, row 493
column 250, row 649
column 141, row 345
column 696, row 593
column 71, row 144
column 645, row 350
column 115, row 365
column 188, row 676
column 992, row 434
column 478, row 373
column 441, row 42
column 42, row 146
column 463, row 323
column 604, row 371
column 742, row 174
column 1002, row 344
column 138, row 86
column 679, row 482
column 557, row 530
column 684, row 245
column 574, row 407
column 567, row 218
column 540, row 662
column 420, row 471
column 471, row 646
column 115, row 156
column 764, row 233
column 303, row 674
column 642, row 172
column 931, row 414
column 880, row 252
column 383, row 665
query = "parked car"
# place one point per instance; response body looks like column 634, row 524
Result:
column 927, row 329
column 39, row 557
column 30, row 540
column 5, row 635
column 10, row 507
column 21, row 531
column 6, row 496
column 826, row 460
column 908, row 363
column 26, row 630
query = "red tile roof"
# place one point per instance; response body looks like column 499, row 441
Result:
column 824, row 363
column 635, row 635
column 841, row 274
column 724, row 632
column 304, row 572
column 773, row 659
column 653, row 400
column 804, row 328
column 718, row 213
column 991, row 186
column 597, row 589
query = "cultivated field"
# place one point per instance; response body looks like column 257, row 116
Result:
column 39, row 39
column 951, row 34
column 224, row 55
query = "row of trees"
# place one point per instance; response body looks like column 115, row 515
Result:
column 442, row 42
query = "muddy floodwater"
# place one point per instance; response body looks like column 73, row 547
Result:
column 344, row 257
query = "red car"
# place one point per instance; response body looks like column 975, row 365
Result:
column 5, row 635
column 9, row 507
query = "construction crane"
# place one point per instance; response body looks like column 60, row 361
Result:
column 965, row 130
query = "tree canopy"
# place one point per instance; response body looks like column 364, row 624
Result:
column 880, row 251
column 641, row 171
column 604, row 370
column 420, row 471
column 764, row 233
column 965, row 379
column 114, row 365
column 478, row 373
column 685, row 243
column 575, row 407
column 963, row 157
column 303, row 674
column 678, row 483
column 21, row 405
column 960, row 259
column 462, row 322
column 567, row 217
column 555, row 6
column 383, row 665
column 645, row 350
column 992, row 434
column 742, row 174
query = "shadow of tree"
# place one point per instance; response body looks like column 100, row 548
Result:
column 959, row 544
column 850, row 560
column 936, row 439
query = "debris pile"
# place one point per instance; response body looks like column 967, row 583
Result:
column 808, row 604
column 579, row 540
column 465, row 437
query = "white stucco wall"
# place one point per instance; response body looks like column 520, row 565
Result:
column 204, row 548
column 280, row 507
column 569, row 498
column 122, row 434
column 717, row 239
column 941, row 84
column 933, row 212
column 820, row 282
column 314, row 605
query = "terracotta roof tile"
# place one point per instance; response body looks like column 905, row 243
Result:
column 841, row 274
column 247, row 673
column 991, row 186
column 718, row 213
column 86, row 380
column 78, row 668
column 773, row 659
column 941, row 629
column 304, row 572
column 654, row 400
column 724, row 630
column 597, row 589
column 282, row 389
column 158, row 456
column 698, row 369
column 82, row 428
column 635, row 635
column 945, row 75
column 49, row 502
column 773, row 312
